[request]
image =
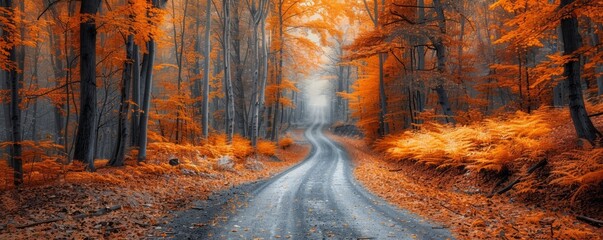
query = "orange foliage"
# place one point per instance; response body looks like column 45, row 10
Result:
column 285, row 142
column 494, row 144
column 6, row 174
column 582, row 168
column 147, row 193
column 458, row 201
column 40, row 163
column 216, row 146
column 267, row 148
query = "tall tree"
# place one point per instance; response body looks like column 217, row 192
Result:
column 136, row 82
column 179, row 50
column 230, row 108
column 374, row 15
column 281, row 11
column 441, row 53
column 86, row 131
column 572, row 41
column 124, row 106
column 11, row 65
column 257, row 10
column 238, row 67
column 146, row 101
column 206, row 70
column 59, row 73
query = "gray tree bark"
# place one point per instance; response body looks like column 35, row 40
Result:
column 572, row 41
column 239, row 64
column 206, row 72
column 124, row 107
column 86, row 131
column 135, row 119
column 59, row 73
column 5, row 84
column 438, row 43
column 257, row 11
column 264, row 76
column 148, row 88
column 230, row 108
column 279, row 75
column 36, row 82
column 15, row 85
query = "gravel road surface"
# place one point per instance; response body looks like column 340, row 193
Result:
column 317, row 199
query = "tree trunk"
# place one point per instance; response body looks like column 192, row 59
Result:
column 86, row 132
column 438, row 43
column 257, row 13
column 383, row 125
column 135, row 119
column 421, row 47
column 15, row 112
column 148, row 88
column 59, row 74
column 256, row 85
column 215, row 102
column 36, row 82
column 179, row 50
column 198, row 67
column 264, row 76
column 572, row 42
column 5, row 85
column 239, row 86
column 146, row 103
column 230, row 108
column 340, row 88
column 206, row 73
column 124, row 107
column 279, row 74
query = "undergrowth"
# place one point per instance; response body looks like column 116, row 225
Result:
column 493, row 144
column 457, row 199
column 507, row 144
column 43, row 163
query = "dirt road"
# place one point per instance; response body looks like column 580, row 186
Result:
column 317, row 199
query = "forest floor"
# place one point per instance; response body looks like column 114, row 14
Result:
column 126, row 203
column 458, row 199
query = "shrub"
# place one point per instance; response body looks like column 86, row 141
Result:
column 581, row 168
column 241, row 147
column 267, row 148
column 285, row 142
column 492, row 145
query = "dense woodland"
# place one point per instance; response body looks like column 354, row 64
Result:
column 488, row 85
column 85, row 80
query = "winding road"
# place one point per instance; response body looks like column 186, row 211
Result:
column 319, row 199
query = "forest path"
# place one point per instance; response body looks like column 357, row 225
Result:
column 317, row 199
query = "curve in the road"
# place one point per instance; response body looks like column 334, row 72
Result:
column 320, row 199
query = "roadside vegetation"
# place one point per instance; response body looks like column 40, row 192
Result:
column 512, row 176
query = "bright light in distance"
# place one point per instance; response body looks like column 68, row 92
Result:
column 316, row 93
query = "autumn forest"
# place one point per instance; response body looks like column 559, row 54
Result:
column 264, row 119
